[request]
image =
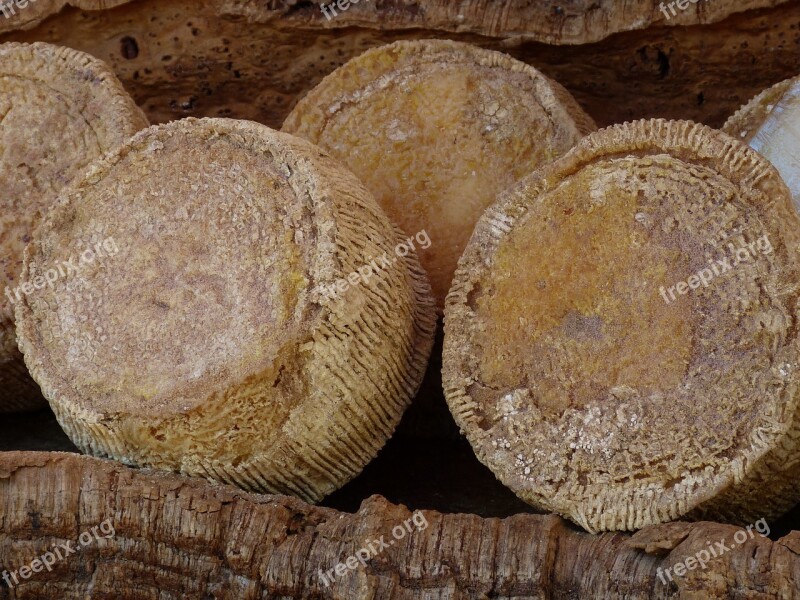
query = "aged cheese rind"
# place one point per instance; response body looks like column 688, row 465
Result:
column 435, row 130
column 209, row 344
column 61, row 109
column 770, row 124
column 580, row 386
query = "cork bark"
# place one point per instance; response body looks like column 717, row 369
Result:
column 573, row 22
column 30, row 14
column 622, row 60
column 175, row 537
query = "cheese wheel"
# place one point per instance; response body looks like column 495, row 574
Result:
column 620, row 341
column 770, row 124
column 260, row 322
column 435, row 130
column 60, row 110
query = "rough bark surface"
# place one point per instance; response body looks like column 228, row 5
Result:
column 253, row 60
column 176, row 537
column 36, row 11
column 549, row 21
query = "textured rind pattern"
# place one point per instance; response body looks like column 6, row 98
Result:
column 369, row 348
column 63, row 70
column 541, row 120
column 176, row 537
column 743, row 123
column 312, row 110
column 761, row 481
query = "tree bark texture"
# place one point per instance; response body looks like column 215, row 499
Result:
column 549, row 21
column 249, row 59
column 176, row 537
